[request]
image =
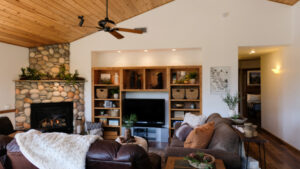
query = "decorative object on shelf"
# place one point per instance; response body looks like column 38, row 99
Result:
column 107, row 104
column 179, row 114
column 192, row 106
column 178, row 93
column 201, row 160
column 192, row 77
column 103, row 121
column 128, row 123
column 159, row 77
column 102, row 113
column 174, row 78
column 132, row 79
column 220, row 80
column 191, row 93
column 114, row 93
column 179, row 105
column 113, row 122
column 105, row 78
column 232, row 102
column 114, row 113
column 33, row 74
column 101, row 93
column 139, row 81
column 253, row 78
column 116, row 79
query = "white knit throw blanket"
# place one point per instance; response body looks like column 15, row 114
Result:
column 55, row 150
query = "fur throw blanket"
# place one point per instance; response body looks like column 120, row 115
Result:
column 55, row 150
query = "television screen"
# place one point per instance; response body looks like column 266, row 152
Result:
column 149, row 112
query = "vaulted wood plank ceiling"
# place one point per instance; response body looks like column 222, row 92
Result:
column 287, row 2
column 32, row 23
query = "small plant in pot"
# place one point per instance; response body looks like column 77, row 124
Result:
column 201, row 160
column 128, row 123
column 114, row 93
column 192, row 77
column 232, row 101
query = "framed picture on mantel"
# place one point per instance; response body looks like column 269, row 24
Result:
column 253, row 78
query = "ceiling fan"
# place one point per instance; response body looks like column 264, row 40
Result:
column 109, row 26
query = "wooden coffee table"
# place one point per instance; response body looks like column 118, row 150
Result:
column 179, row 163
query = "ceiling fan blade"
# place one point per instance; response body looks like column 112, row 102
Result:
column 116, row 34
column 130, row 30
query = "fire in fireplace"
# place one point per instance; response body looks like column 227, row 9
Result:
column 52, row 117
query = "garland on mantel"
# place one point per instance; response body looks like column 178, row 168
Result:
column 33, row 74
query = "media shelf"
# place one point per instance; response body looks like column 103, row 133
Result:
column 141, row 79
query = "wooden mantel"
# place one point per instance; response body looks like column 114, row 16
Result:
column 7, row 111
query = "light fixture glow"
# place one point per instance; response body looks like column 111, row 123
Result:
column 252, row 51
column 145, row 50
column 277, row 69
column 119, row 51
column 174, row 50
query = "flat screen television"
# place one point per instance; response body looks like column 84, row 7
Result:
column 149, row 112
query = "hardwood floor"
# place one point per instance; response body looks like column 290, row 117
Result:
column 278, row 155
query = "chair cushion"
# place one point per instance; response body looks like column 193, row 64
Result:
column 183, row 131
column 200, row 136
column 6, row 127
column 225, row 139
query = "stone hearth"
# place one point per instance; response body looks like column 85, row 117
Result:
column 41, row 91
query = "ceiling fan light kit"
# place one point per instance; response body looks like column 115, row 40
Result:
column 108, row 25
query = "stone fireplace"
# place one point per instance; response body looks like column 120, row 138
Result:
column 30, row 93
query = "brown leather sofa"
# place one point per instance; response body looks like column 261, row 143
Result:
column 101, row 155
column 225, row 143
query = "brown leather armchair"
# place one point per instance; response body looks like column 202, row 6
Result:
column 101, row 155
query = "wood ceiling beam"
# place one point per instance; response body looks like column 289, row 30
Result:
column 287, row 2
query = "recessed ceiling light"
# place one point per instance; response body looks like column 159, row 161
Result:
column 252, row 51
column 119, row 51
column 173, row 50
column 145, row 50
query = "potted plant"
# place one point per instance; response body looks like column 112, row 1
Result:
column 128, row 123
column 115, row 93
column 232, row 102
column 200, row 160
column 192, row 77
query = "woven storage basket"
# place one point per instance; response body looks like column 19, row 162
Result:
column 101, row 93
column 191, row 93
column 178, row 93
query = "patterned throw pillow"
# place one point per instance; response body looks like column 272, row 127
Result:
column 194, row 120
column 94, row 128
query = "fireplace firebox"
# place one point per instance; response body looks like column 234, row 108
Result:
column 52, row 117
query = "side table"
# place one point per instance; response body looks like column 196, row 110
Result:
column 259, row 141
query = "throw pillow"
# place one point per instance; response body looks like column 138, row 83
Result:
column 183, row 131
column 194, row 120
column 97, row 132
column 200, row 136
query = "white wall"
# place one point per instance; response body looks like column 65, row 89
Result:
column 280, row 92
column 163, row 57
column 195, row 24
column 12, row 58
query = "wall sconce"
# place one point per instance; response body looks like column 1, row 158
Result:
column 276, row 70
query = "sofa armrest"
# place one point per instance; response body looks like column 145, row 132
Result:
column 4, row 141
column 231, row 160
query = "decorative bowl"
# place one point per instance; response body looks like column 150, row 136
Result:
column 194, row 161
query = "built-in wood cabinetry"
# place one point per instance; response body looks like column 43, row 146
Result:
column 106, row 81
